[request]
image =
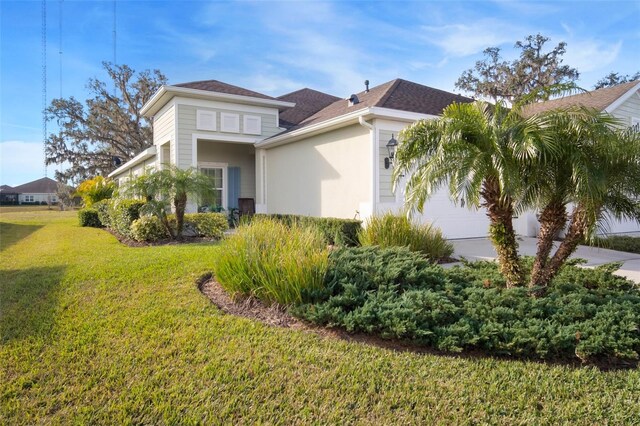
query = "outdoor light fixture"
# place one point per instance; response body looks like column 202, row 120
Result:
column 391, row 147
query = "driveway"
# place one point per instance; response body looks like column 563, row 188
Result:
column 481, row 249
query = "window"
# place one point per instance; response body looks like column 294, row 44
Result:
column 215, row 202
column 252, row 125
column 229, row 122
column 29, row 198
column 205, row 120
column 635, row 124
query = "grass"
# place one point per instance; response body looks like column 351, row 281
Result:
column 96, row 332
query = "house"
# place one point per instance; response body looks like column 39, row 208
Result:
column 8, row 195
column 38, row 191
column 306, row 152
column 621, row 101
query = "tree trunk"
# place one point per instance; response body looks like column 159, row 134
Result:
column 552, row 219
column 503, row 236
column 167, row 225
column 575, row 235
column 180, row 204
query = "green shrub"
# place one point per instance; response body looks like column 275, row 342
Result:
column 396, row 293
column 149, row 229
column 342, row 232
column 390, row 230
column 122, row 213
column 89, row 217
column 619, row 242
column 272, row 261
column 102, row 207
column 96, row 189
column 210, row 225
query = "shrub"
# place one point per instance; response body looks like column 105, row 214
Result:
column 103, row 207
column 272, row 261
column 391, row 230
column 211, row 225
column 396, row 293
column 96, row 189
column 335, row 231
column 148, row 228
column 619, row 242
column 89, row 217
column 122, row 213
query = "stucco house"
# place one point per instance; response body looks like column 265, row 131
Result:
column 305, row 152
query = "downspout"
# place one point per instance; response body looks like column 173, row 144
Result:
column 374, row 151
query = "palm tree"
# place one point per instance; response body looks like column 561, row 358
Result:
column 477, row 150
column 168, row 187
column 596, row 168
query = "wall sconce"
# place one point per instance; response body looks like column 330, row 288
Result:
column 391, row 147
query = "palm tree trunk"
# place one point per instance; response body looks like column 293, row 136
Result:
column 503, row 236
column 180, row 204
column 552, row 219
column 575, row 235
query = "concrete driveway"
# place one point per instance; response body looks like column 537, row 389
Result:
column 481, row 249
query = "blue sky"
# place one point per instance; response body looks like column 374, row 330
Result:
column 278, row 47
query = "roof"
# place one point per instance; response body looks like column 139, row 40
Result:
column 41, row 186
column 599, row 99
column 7, row 189
column 396, row 94
column 308, row 102
column 220, row 87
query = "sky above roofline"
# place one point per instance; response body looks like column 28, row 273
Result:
column 278, row 47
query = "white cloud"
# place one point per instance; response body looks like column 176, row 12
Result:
column 21, row 162
column 468, row 39
column 591, row 55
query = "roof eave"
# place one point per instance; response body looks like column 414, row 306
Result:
column 615, row 104
column 144, row 155
column 166, row 92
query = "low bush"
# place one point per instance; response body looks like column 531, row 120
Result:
column 343, row 232
column 148, row 228
column 391, row 230
column 272, row 261
column 210, row 225
column 122, row 213
column 396, row 293
column 619, row 242
column 89, row 217
column 103, row 207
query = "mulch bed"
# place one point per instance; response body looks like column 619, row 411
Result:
column 277, row 316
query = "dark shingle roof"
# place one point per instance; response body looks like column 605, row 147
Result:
column 308, row 102
column 598, row 99
column 7, row 188
column 41, row 186
column 396, row 94
column 220, row 87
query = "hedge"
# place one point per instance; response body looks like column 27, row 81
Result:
column 122, row 213
column 343, row 232
column 89, row 217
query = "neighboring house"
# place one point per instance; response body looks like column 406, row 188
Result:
column 38, row 191
column 621, row 101
column 305, row 153
column 8, row 195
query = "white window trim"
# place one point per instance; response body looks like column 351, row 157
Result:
column 245, row 126
column 635, row 123
column 225, row 184
column 199, row 121
column 234, row 129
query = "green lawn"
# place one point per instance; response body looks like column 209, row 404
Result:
column 96, row 332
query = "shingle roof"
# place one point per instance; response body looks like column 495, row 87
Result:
column 220, row 87
column 308, row 102
column 7, row 188
column 598, row 99
column 41, row 186
column 395, row 94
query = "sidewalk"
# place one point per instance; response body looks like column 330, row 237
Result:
column 481, row 249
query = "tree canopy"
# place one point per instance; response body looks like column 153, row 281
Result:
column 535, row 69
column 109, row 124
column 614, row 78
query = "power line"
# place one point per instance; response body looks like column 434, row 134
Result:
column 60, row 42
column 44, row 85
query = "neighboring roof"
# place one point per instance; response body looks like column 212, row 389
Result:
column 308, row 102
column 220, row 87
column 396, row 94
column 41, row 186
column 599, row 99
column 6, row 188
